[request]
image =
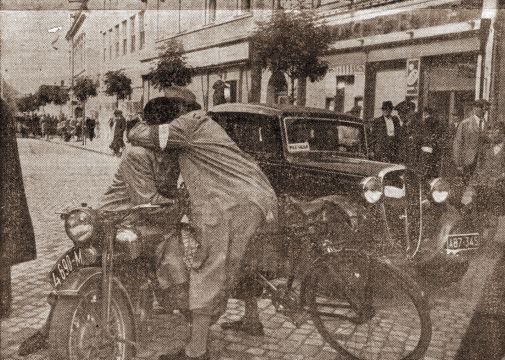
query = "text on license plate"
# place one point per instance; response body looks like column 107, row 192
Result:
column 463, row 241
column 66, row 264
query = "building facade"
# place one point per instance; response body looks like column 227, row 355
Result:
column 437, row 53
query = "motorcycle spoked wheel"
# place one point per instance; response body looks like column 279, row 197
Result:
column 75, row 330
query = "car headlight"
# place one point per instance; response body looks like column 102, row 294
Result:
column 372, row 189
column 439, row 190
column 126, row 236
column 80, row 226
column 130, row 242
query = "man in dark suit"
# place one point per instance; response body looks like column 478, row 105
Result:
column 385, row 135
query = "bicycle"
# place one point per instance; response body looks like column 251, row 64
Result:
column 362, row 305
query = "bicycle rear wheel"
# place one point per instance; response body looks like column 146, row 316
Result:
column 365, row 308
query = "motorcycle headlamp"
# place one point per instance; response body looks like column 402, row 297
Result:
column 80, row 226
column 372, row 189
column 439, row 190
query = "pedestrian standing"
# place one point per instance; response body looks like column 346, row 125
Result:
column 410, row 133
column 90, row 128
column 429, row 145
column 357, row 108
column 385, row 135
column 119, row 127
column 469, row 137
column 219, row 97
column 17, row 240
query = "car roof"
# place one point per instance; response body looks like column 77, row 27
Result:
column 280, row 110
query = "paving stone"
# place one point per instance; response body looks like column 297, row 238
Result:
column 83, row 176
column 255, row 351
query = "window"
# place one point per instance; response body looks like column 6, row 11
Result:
column 104, row 45
column 110, row 44
column 116, row 29
column 245, row 5
column 142, row 34
column 132, row 34
column 307, row 135
column 211, row 11
column 230, row 92
column 253, row 133
column 125, row 40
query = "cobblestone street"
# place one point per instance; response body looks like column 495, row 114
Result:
column 57, row 176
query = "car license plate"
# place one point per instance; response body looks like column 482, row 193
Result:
column 66, row 265
column 458, row 242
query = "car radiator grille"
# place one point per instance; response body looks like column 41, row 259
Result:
column 402, row 213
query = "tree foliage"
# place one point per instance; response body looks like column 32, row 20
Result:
column 61, row 96
column 118, row 84
column 28, row 103
column 52, row 94
column 84, row 88
column 171, row 68
column 292, row 42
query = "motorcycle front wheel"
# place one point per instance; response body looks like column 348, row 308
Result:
column 76, row 329
column 365, row 308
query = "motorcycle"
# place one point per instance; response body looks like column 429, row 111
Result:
column 104, row 286
column 104, row 290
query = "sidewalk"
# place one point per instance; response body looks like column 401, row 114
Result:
column 98, row 145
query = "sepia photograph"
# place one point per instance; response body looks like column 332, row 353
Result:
column 252, row 179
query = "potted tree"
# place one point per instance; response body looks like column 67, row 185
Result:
column 84, row 88
column 292, row 42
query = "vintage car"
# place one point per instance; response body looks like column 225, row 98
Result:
column 310, row 153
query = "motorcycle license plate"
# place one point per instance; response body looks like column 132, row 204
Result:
column 66, row 265
column 459, row 242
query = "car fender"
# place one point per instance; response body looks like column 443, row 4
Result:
column 434, row 245
column 336, row 208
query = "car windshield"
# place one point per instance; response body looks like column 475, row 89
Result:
column 325, row 136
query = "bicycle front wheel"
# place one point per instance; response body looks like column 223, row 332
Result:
column 365, row 308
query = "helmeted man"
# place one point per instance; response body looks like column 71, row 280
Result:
column 230, row 199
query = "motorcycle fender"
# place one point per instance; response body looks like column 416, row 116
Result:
column 77, row 281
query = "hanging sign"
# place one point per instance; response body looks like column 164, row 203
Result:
column 413, row 66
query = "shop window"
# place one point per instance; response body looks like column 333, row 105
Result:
column 277, row 90
column 245, row 5
column 230, row 92
column 343, row 81
column 211, row 11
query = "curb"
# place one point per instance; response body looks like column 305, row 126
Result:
column 79, row 147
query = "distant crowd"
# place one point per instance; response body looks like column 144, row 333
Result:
column 47, row 126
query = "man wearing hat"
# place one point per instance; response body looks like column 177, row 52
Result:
column 468, row 139
column 385, row 135
column 230, row 200
column 145, row 176
column 218, row 97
